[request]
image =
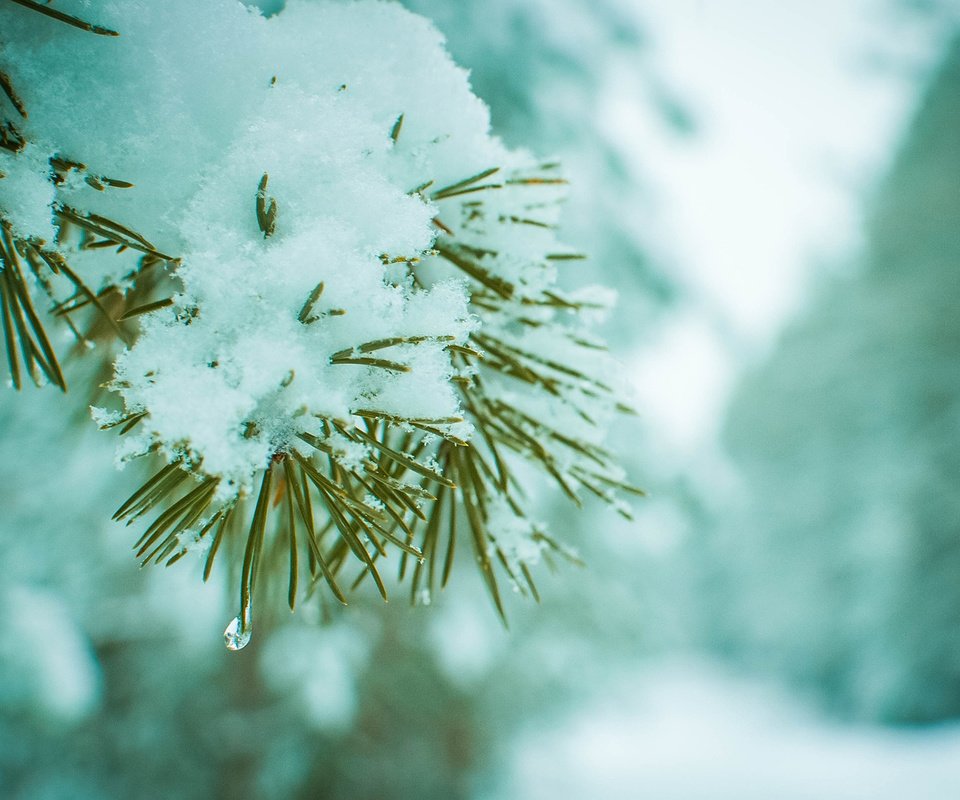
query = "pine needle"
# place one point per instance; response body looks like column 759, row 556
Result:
column 76, row 22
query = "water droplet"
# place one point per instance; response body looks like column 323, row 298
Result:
column 237, row 635
column 424, row 598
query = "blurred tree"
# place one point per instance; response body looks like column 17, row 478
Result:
column 843, row 569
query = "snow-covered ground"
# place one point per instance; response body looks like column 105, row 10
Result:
column 688, row 730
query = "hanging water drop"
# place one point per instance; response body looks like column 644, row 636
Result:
column 237, row 635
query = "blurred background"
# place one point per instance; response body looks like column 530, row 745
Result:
column 774, row 191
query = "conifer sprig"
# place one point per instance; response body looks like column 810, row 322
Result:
column 336, row 496
column 420, row 488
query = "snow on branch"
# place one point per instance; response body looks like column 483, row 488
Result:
column 338, row 289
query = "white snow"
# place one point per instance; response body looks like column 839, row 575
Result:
column 329, row 116
column 26, row 194
column 682, row 730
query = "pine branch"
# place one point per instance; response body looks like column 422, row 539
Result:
column 337, row 497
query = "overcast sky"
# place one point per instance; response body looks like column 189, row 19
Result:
column 800, row 106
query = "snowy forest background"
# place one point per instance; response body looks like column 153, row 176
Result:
column 773, row 191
